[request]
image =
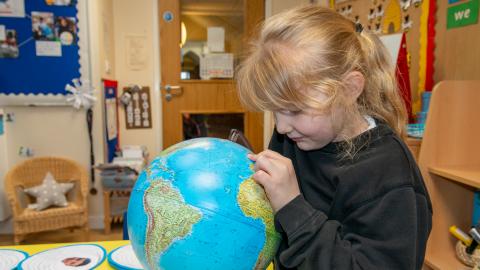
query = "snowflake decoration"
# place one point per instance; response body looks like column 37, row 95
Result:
column 81, row 94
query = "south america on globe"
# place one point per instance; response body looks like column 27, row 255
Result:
column 196, row 206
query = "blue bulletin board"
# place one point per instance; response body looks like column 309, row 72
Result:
column 32, row 74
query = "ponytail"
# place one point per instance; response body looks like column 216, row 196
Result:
column 381, row 98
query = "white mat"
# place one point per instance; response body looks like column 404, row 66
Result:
column 9, row 258
column 123, row 258
column 73, row 257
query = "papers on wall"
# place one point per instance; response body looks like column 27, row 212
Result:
column 3, row 35
column 216, row 65
column 12, row 8
column 216, row 39
column 138, row 110
column 137, row 55
column 48, row 48
column 111, row 110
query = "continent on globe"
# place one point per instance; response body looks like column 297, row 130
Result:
column 169, row 218
column 254, row 203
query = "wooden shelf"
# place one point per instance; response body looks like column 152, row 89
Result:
column 414, row 146
column 446, row 261
column 466, row 175
column 451, row 137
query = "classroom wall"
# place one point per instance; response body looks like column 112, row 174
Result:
column 456, row 53
column 62, row 131
column 49, row 131
column 102, row 47
column 138, row 20
column 5, row 211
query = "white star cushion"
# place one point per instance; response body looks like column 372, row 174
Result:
column 50, row 192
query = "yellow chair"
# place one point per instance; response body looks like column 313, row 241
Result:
column 31, row 173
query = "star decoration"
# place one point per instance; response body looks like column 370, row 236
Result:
column 50, row 192
column 82, row 94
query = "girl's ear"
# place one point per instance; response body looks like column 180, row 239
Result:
column 354, row 84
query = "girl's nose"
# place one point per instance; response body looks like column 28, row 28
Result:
column 282, row 124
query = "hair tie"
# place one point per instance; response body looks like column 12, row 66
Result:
column 358, row 28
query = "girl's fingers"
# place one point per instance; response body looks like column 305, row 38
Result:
column 261, row 177
column 272, row 154
column 265, row 163
column 267, row 153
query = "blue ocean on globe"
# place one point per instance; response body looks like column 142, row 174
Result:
column 196, row 207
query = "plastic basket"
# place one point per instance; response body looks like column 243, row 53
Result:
column 415, row 130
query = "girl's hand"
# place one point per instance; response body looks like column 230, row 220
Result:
column 277, row 176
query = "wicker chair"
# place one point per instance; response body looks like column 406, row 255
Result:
column 31, row 173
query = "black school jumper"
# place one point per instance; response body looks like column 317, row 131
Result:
column 369, row 212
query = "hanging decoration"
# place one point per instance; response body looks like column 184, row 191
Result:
column 82, row 94
column 348, row 11
column 407, row 23
column 405, row 4
column 371, row 15
column 427, row 47
column 377, row 30
column 402, row 73
column 380, row 12
column 111, row 118
column 417, row 3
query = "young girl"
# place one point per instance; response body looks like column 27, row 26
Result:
column 346, row 191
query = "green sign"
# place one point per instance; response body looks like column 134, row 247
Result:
column 462, row 14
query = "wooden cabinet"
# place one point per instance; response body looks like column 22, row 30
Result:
column 414, row 145
column 450, row 163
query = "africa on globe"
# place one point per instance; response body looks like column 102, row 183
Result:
column 196, row 207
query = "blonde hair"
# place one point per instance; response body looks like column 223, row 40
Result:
column 315, row 48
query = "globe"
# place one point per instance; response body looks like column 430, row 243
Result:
column 195, row 206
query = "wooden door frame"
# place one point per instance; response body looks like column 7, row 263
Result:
column 254, row 12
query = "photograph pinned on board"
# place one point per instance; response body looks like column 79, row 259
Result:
column 43, row 26
column 9, row 45
column 12, row 8
column 60, row 2
column 65, row 30
column 2, row 32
